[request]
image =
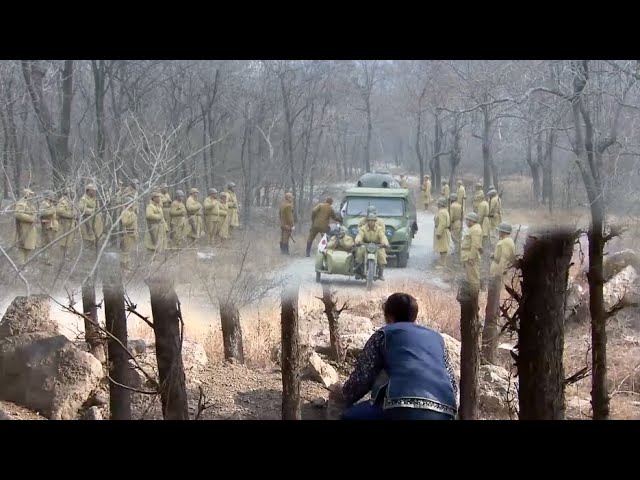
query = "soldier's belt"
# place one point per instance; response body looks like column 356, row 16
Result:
column 153, row 222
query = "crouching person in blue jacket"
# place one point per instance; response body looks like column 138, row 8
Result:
column 417, row 383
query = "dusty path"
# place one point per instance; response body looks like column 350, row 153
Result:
column 419, row 269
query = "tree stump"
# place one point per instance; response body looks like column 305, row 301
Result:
column 290, row 355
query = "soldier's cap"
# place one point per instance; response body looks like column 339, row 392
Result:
column 164, row 186
column 459, row 182
column 179, row 194
column 372, row 217
column 27, row 191
column 91, row 186
column 445, row 181
column 491, row 187
column 135, row 182
column 223, row 195
column 49, row 194
column 288, row 196
column 471, row 216
column 212, row 191
column 504, row 228
column 453, row 196
column 328, row 200
column 155, row 194
column 478, row 185
column 492, row 192
column 372, row 209
column 337, row 230
column 442, row 202
column 193, row 190
column 231, row 184
column 427, row 176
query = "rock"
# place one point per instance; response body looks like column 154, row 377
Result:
column 577, row 403
column 620, row 286
column 137, row 347
column 321, row 371
column 353, row 331
column 495, row 391
column 505, row 351
column 28, row 315
column 453, row 348
column 194, row 356
column 5, row 416
column 92, row 413
column 319, row 402
column 576, row 302
column 614, row 263
column 99, row 398
column 137, row 379
column 47, row 374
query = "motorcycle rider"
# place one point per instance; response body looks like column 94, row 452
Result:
column 363, row 220
column 371, row 233
column 339, row 240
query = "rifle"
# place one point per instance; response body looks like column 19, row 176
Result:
column 291, row 236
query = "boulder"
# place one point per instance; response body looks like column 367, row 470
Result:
column 137, row 347
column 28, row 315
column 353, row 331
column 99, row 398
column 319, row 402
column 92, row 413
column 194, row 356
column 620, row 286
column 321, row 372
column 47, row 374
column 495, row 391
column 4, row 415
column 618, row 261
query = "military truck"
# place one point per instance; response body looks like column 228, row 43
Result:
column 378, row 179
column 395, row 207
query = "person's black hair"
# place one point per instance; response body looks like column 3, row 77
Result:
column 402, row 307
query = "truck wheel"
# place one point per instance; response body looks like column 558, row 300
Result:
column 402, row 259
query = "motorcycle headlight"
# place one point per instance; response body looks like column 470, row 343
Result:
column 353, row 230
column 389, row 232
column 371, row 248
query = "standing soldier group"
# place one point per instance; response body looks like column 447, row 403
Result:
column 485, row 232
column 170, row 224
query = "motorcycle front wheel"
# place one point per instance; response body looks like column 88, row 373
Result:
column 371, row 273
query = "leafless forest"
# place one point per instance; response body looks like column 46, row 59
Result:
column 557, row 139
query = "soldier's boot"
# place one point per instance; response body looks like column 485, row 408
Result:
column 380, row 273
column 286, row 248
column 282, row 248
column 309, row 249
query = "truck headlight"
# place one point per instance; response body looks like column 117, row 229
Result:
column 389, row 232
column 353, row 230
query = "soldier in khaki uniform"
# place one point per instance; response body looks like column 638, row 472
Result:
column 92, row 222
column 446, row 191
column 441, row 233
column 194, row 216
column 371, row 233
column 211, row 206
column 178, row 226
column 403, row 181
column 155, row 238
column 224, row 217
column 478, row 196
column 287, row 222
column 165, row 199
column 26, row 216
column 483, row 220
column 455, row 215
column 471, row 251
column 461, row 193
column 426, row 191
column 340, row 240
column 504, row 253
column 495, row 214
column 129, row 235
column 363, row 220
column 232, row 206
column 67, row 221
column 321, row 215
column 48, row 223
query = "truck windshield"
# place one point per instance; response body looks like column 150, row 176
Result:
column 386, row 207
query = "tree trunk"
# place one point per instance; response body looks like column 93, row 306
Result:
column 490, row 332
column 599, row 394
column 99, row 76
column 165, row 308
column 337, row 351
column 469, row 351
column 91, row 331
column 486, row 149
column 231, row 331
column 545, row 271
column 367, row 147
column 290, row 355
column 417, row 146
column 437, row 146
column 116, row 325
